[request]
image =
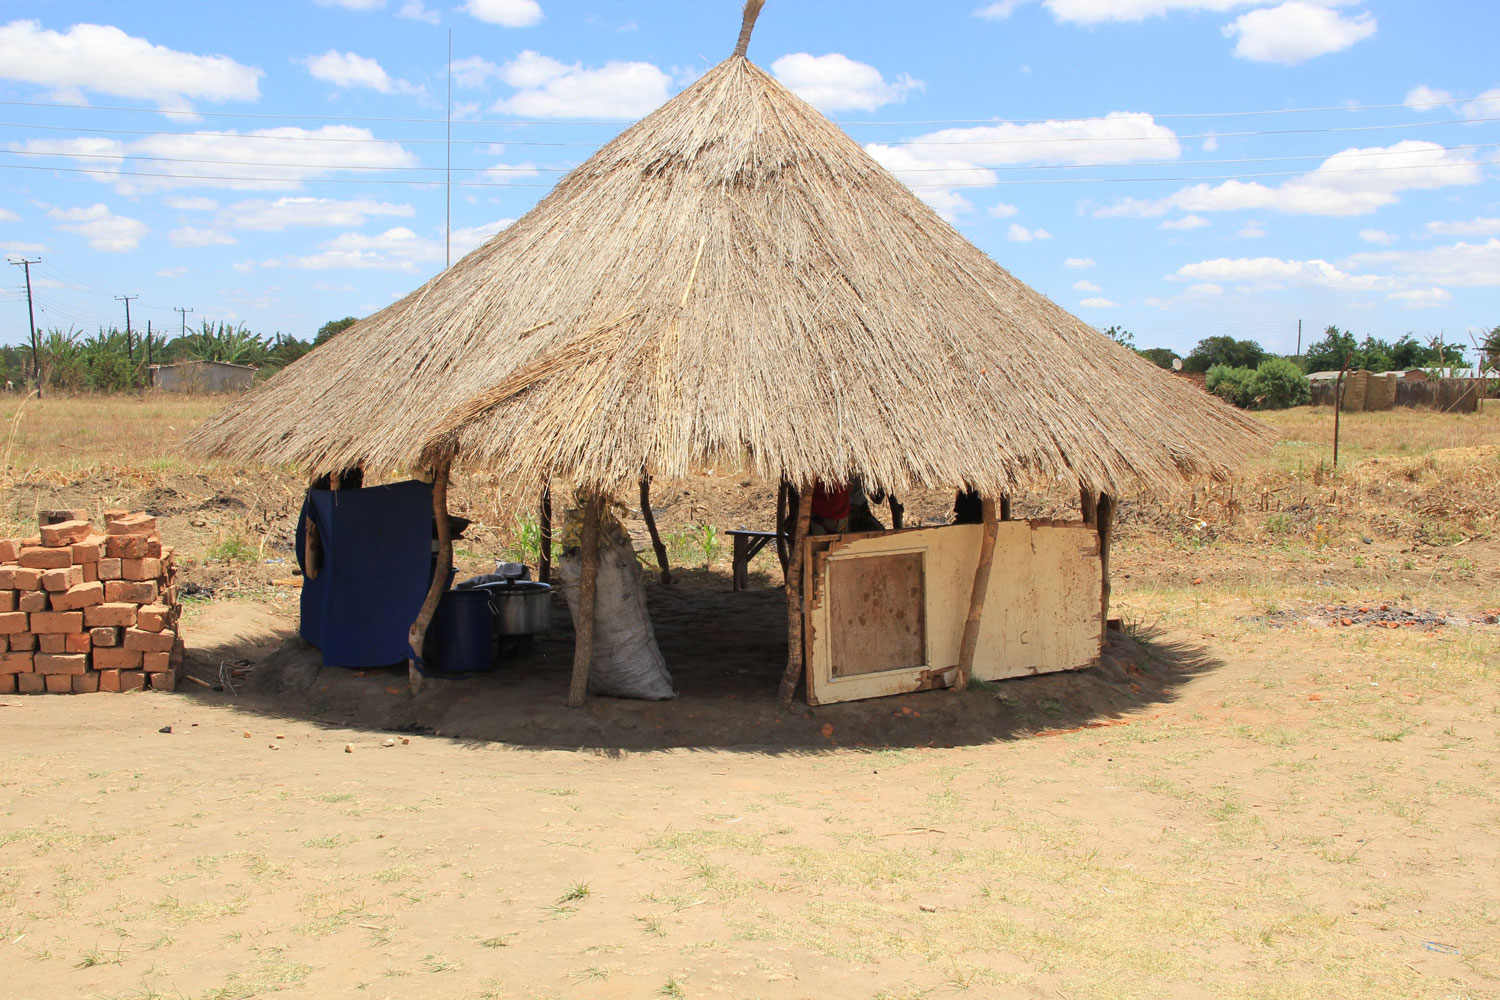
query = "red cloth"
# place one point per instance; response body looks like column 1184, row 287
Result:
column 831, row 503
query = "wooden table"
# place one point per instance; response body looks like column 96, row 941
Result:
column 746, row 545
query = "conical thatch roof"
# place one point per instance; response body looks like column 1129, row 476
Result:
column 734, row 278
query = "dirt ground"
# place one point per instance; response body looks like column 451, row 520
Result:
column 1248, row 798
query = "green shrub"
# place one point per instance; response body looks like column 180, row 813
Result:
column 1231, row 384
column 1277, row 384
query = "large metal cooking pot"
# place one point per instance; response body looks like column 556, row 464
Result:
column 521, row 607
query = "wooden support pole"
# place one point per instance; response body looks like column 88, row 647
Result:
column 782, row 552
column 898, row 512
column 588, row 576
column 1106, row 527
column 794, row 611
column 1089, row 501
column 976, row 598
column 417, row 635
column 1004, row 508
column 544, row 535
column 656, row 542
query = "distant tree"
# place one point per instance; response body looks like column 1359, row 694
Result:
column 1161, row 357
column 328, row 330
column 1279, row 383
column 1225, row 351
column 1332, row 352
column 222, row 342
column 284, row 350
column 1231, row 383
column 1408, row 353
column 1490, row 345
column 1375, row 355
column 1121, row 336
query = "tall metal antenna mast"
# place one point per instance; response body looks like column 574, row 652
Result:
column 448, row 186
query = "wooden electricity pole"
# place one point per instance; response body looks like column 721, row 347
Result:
column 36, row 363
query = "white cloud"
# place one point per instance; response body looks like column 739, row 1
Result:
column 1473, row 265
column 1000, row 210
column 192, row 236
column 397, row 249
column 465, row 240
column 105, row 231
column 1352, row 182
column 171, row 272
column 929, row 177
column 1268, row 273
column 105, row 60
column 353, row 4
column 1296, row 31
column 1186, row 222
column 551, row 89
column 272, row 216
column 1473, row 227
column 474, row 72
column 415, row 10
column 1210, row 144
column 1000, row 10
column 265, row 159
column 1377, row 236
column 1486, row 105
column 1078, row 263
column 346, row 69
column 192, row 204
column 1097, row 11
column 506, row 13
column 834, row 82
column 6, row 215
column 1194, row 293
column 1421, row 298
column 1422, row 95
column 21, row 247
column 1020, row 234
column 1086, row 286
column 1098, row 304
column 1251, row 230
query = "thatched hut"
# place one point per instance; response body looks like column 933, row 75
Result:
column 735, row 280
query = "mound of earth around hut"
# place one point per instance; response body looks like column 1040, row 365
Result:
column 725, row 650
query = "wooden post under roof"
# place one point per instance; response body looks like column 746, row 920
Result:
column 794, row 609
column 656, row 543
column 1106, row 527
column 588, row 575
column 416, row 637
column 544, row 536
column 1089, row 501
column 783, row 554
column 1004, row 508
column 976, row 597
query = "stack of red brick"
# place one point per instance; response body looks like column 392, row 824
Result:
column 83, row 612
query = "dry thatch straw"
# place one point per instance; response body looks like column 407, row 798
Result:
column 734, row 279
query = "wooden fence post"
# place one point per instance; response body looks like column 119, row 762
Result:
column 977, row 595
column 416, row 636
column 588, row 576
column 794, row 609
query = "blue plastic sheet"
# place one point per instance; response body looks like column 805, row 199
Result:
column 376, row 549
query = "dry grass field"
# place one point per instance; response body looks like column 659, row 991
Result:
column 1294, row 808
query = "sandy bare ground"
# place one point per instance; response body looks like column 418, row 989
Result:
column 1317, row 815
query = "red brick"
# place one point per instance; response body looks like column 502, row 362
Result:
column 156, row 662
column 132, row 524
column 165, row 680
column 17, row 663
column 152, row 617
column 22, row 641
column 57, row 621
column 116, row 614
column 153, row 547
column 149, row 642
column 77, row 642
column 140, row 569
column 81, row 596
column 31, row 683
column 20, row 579
column 117, row 659
column 7, row 683
column 89, row 550
column 4, row 643
column 29, row 543
column 59, row 683
column 61, row 663
column 115, row 513
column 90, row 572
column 10, row 549
column 132, row 680
column 12, row 622
column 7, row 601
column 52, row 642
column 125, row 547
column 109, row 680
column 109, row 568
column 32, row 600
column 130, row 592
column 44, row 558
column 104, row 636
column 86, row 683
column 65, row 533
column 178, row 649
column 61, row 579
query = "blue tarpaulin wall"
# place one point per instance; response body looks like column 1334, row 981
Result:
column 376, row 547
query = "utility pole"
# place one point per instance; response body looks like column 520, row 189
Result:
column 31, row 321
column 126, row 299
column 148, row 343
column 184, row 317
column 448, row 185
column 1299, row 338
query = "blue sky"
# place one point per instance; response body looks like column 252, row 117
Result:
column 1146, row 163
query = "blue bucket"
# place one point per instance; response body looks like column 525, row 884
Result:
column 461, row 631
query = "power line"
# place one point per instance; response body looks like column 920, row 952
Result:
column 262, row 163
